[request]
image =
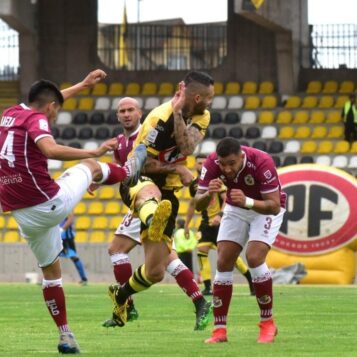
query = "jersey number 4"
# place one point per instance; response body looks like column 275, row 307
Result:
column 6, row 152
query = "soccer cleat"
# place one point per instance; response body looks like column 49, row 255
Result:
column 83, row 282
column 109, row 323
column 131, row 312
column 267, row 332
column 119, row 310
column 203, row 315
column 68, row 344
column 135, row 164
column 206, row 292
column 218, row 335
column 159, row 221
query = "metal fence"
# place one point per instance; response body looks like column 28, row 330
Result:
column 333, row 46
column 9, row 52
column 157, row 47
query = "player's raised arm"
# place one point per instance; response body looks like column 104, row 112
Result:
column 203, row 197
column 89, row 81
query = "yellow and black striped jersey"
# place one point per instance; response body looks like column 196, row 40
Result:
column 157, row 133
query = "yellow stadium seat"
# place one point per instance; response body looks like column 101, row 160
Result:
column 132, row 89
column 11, row 223
column 309, row 102
column 97, row 237
column 266, row 87
column 266, row 117
column 330, row 87
column 340, row 101
column 81, row 208
column 70, row 104
column 11, row 237
column 218, row 88
column 302, row 132
column 293, row 102
column 107, row 193
column 346, row 87
column 84, row 92
column 269, row 102
column 286, row 132
column 336, row 132
column 353, row 149
column 100, row 89
column 232, row 88
column 90, row 196
column 100, row 222
column 82, row 223
column 81, row 237
column 342, row 147
column 95, row 208
column 317, row 117
column 249, row 87
column 314, row 87
column 113, row 207
column 301, row 117
column 284, row 117
column 333, row 117
column 114, row 222
column 325, row 147
column 252, row 102
column 116, row 89
column 165, row 89
column 2, row 222
column 86, row 103
column 65, row 85
column 56, row 174
column 308, row 147
column 319, row 132
column 149, row 88
column 68, row 164
column 124, row 209
column 326, row 102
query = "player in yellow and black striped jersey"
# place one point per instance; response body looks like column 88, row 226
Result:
column 211, row 218
column 170, row 133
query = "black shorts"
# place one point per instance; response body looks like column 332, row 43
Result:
column 209, row 234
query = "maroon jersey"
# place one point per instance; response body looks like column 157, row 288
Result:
column 24, row 178
column 258, row 175
column 125, row 145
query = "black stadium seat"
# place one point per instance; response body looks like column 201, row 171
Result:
column 85, row 133
column 96, row 118
column 277, row 160
column 112, row 118
column 68, row 133
column 236, row 132
column 75, row 144
column 55, row 132
column 102, row 133
column 290, row 160
column 80, row 118
column 231, row 118
column 216, row 118
column 117, row 130
column 307, row 160
column 252, row 132
column 219, row 133
column 260, row 145
column 275, row 147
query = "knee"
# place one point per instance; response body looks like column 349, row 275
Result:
column 155, row 274
column 224, row 265
column 254, row 259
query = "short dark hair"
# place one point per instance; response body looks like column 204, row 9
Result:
column 228, row 146
column 45, row 91
column 199, row 77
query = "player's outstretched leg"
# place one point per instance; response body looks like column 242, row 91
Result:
column 68, row 344
column 203, row 314
column 132, row 314
column 135, row 164
column 159, row 220
column 119, row 310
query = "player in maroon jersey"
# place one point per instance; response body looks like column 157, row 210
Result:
column 38, row 203
column 127, row 236
column 253, row 215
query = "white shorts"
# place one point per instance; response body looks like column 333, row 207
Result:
column 241, row 226
column 39, row 224
column 130, row 227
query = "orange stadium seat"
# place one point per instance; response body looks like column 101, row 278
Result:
column 266, row 87
column 232, row 88
column 314, row 87
column 132, row 89
column 249, row 87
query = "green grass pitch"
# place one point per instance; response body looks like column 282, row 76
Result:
column 312, row 321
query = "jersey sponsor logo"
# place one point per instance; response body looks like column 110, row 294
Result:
column 171, row 155
column 151, row 137
column 249, row 180
column 43, row 124
column 7, row 121
column 321, row 210
column 8, row 180
column 203, row 173
column 267, row 174
column 52, row 307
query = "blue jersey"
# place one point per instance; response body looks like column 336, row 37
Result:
column 69, row 233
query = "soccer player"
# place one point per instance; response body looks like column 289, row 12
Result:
column 39, row 203
column 127, row 236
column 252, row 215
column 211, row 219
column 170, row 132
column 69, row 251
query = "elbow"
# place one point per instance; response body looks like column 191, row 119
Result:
column 276, row 209
column 187, row 151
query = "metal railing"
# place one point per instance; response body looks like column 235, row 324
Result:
column 333, row 46
column 160, row 47
column 9, row 52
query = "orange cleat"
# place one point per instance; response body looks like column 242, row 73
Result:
column 268, row 331
column 218, row 335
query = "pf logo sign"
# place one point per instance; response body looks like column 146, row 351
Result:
column 321, row 210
